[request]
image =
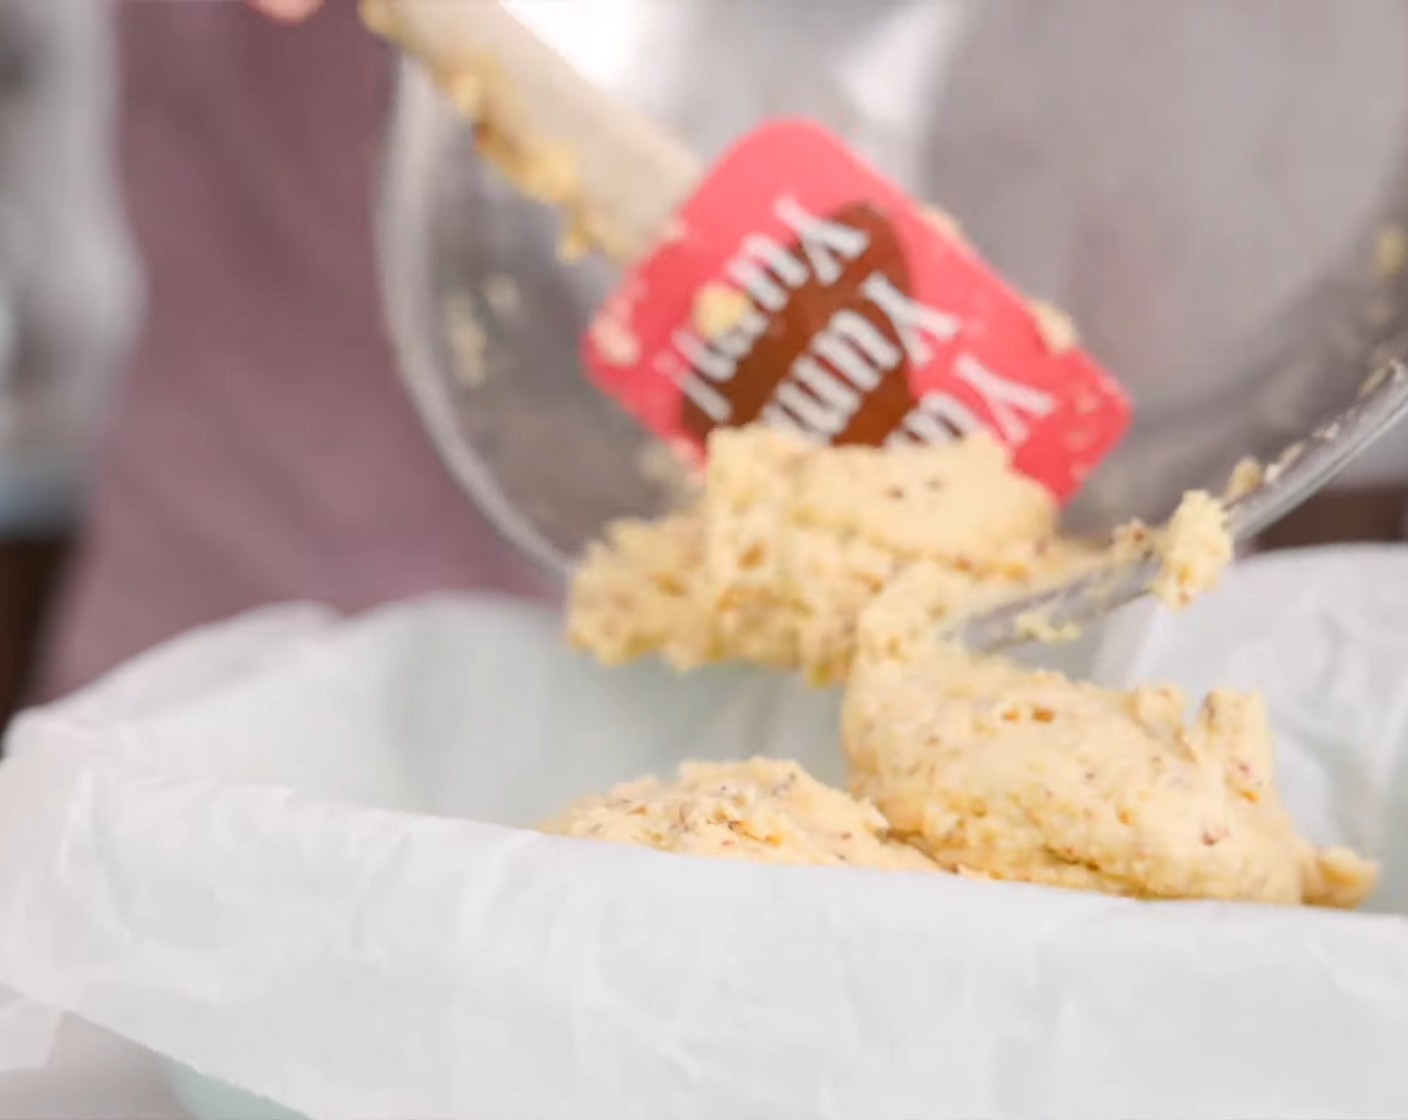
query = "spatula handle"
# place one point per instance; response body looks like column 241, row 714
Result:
column 616, row 175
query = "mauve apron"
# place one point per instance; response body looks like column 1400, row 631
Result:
column 260, row 447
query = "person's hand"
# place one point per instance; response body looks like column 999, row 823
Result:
column 290, row 11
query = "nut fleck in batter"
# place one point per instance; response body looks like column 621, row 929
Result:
column 1005, row 773
column 763, row 811
column 792, row 541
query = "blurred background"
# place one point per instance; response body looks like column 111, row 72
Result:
column 69, row 300
column 1214, row 191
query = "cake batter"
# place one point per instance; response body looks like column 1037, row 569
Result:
column 843, row 562
column 763, row 811
column 1002, row 772
column 791, row 542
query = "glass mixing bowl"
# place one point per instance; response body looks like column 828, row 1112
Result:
column 1214, row 191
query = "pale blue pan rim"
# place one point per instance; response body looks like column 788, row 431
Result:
column 208, row 1099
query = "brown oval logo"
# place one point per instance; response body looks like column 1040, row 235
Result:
column 829, row 353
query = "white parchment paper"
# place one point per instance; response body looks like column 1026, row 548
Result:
column 281, row 850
